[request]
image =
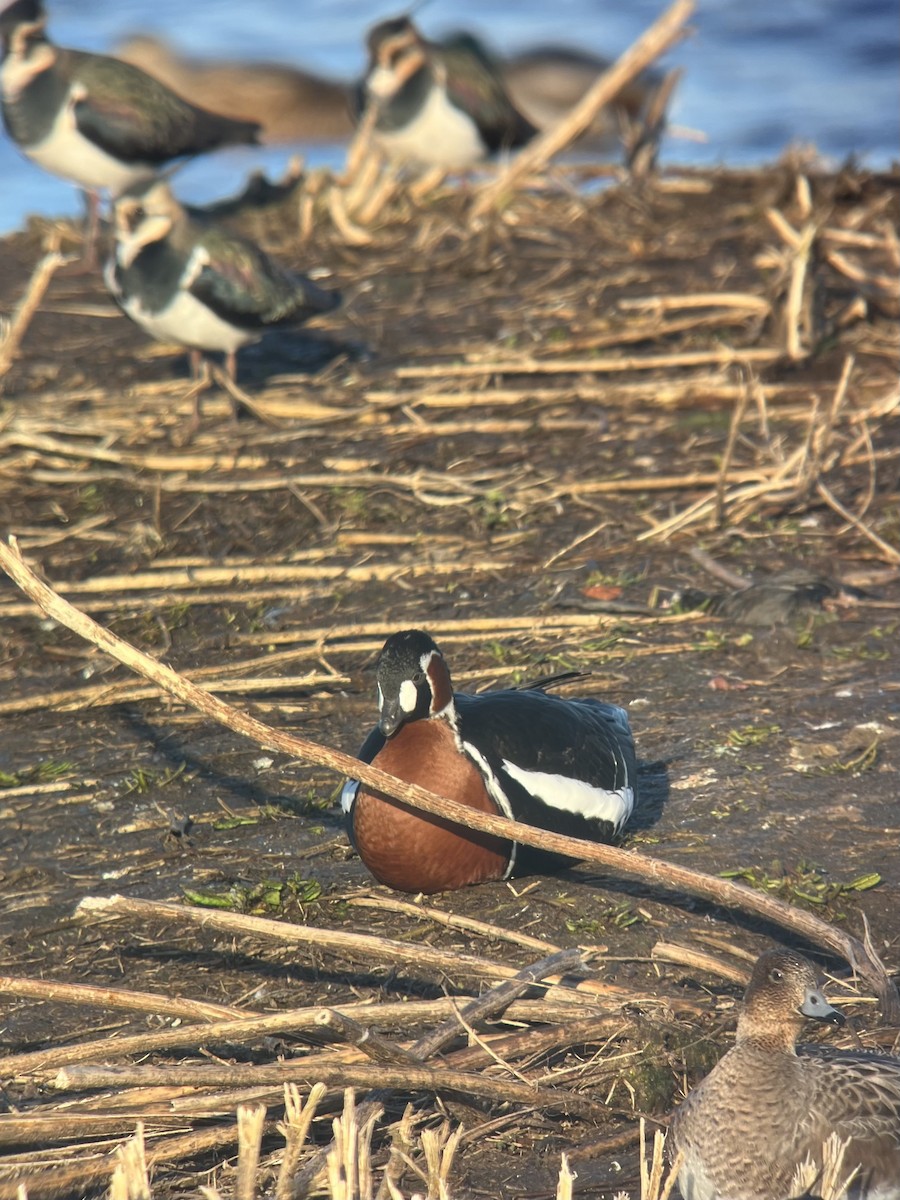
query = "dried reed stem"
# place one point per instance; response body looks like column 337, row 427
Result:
column 737, row 417
column 298, row 1118
column 131, row 1180
column 28, row 306
column 698, row 960
column 252, row 1029
column 251, row 1120
column 369, row 947
column 565, row 1183
column 82, row 1176
column 724, row 355
column 535, row 157
column 406, row 1078
column 456, row 921
column 364, row 1038
column 102, row 997
column 889, row 553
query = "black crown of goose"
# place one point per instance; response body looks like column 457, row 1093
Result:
column 546, row 740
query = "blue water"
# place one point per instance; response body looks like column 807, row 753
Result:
column 758, row 76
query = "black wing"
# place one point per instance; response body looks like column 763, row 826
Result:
column 475, row 86
column 241, row 284
column 526, row 734
column 134, row 117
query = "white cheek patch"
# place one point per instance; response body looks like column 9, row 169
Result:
column 409, row 696
column 381, row 83
column 574, row 795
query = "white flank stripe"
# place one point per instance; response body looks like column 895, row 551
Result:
column 496, row 792
column 574, row 795
column 348, row 794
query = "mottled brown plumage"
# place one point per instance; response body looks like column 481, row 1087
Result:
column 768, row 1104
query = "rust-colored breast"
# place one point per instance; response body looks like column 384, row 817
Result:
column 413, row 851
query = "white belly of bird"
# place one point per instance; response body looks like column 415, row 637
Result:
column 439, row 135
column 188, row 323
column 65, row 152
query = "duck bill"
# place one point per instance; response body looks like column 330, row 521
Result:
column 392, row 717
column 817, row 1008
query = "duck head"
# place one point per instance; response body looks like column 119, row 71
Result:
column 413, row 681
column 782, row 994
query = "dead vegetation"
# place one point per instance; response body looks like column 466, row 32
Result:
column 512, row 416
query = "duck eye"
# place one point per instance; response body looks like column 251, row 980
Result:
column 776, row 975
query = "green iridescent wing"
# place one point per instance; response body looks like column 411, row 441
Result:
column 134, row 117
column 474, row 85
column 243, row 285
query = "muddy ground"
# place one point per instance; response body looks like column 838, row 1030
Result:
column 489, row 440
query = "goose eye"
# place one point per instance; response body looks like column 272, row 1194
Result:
column 418, row 678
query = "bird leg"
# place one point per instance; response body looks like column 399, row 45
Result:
column 87, row 263
column 91, row 230
column 201, row 382
column 224, row 377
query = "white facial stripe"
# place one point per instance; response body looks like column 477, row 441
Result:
column 380, row 697
column 409, row 696
column 574, row 795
